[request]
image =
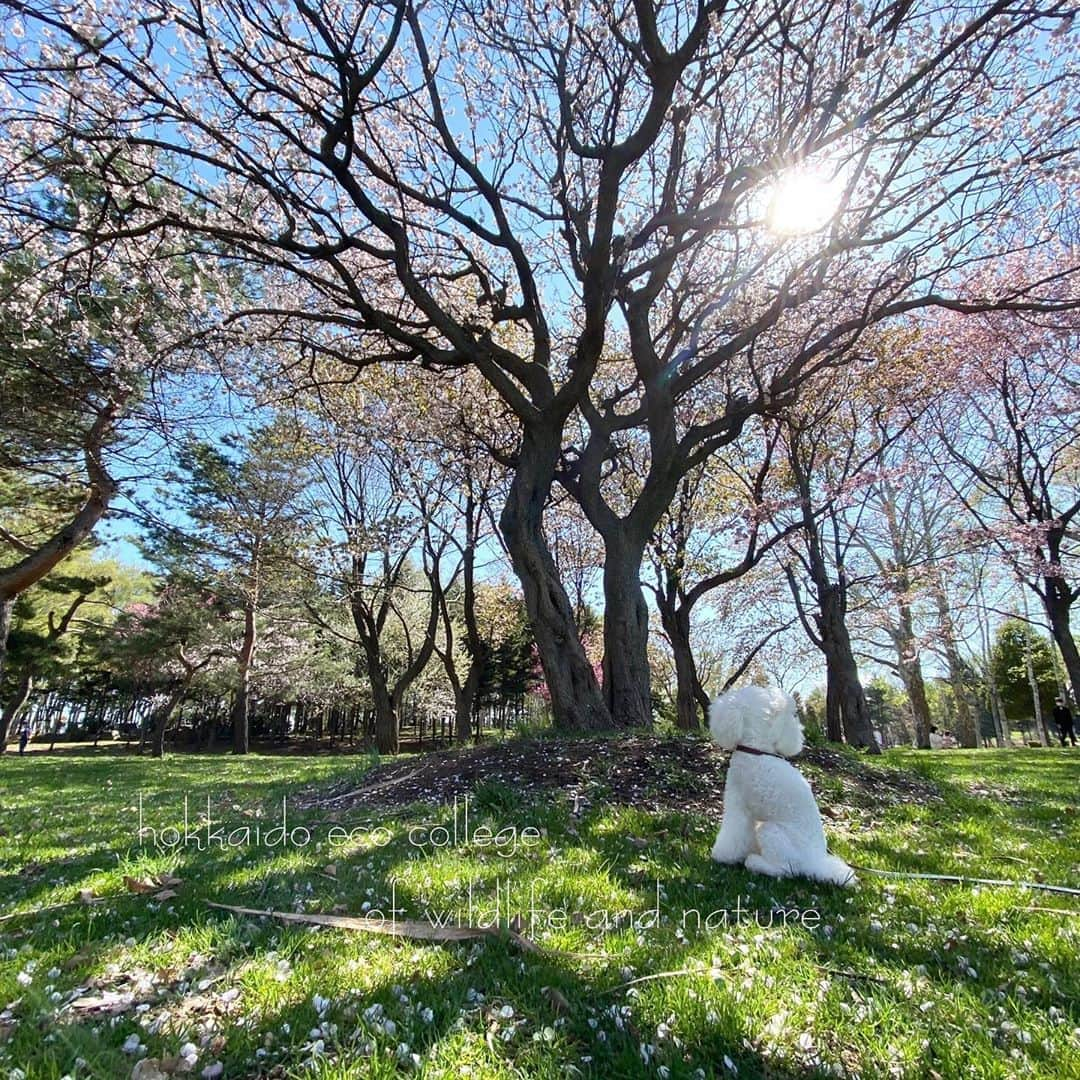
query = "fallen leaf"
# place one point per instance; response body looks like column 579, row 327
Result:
column 330, row 870
column 148, row 1069
column 76, row 960
column 136, row 886
column 165, row 894
column 556, row 997
column 109, row 1002
column 167, row 880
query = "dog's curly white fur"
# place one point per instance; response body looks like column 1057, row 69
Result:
column 771, row 822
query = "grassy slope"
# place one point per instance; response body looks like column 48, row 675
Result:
column 900, row 978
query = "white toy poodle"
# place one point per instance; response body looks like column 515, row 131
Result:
column 771, row 822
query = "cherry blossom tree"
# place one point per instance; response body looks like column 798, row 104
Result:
column 1012, row 431
column 377, row 546
column 637, row 209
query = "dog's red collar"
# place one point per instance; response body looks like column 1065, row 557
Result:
column 759, row 753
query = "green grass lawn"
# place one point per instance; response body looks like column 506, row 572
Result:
column 903, row 978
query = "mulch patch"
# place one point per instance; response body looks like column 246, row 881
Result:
column 646, row 771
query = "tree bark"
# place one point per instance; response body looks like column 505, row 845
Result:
column 834, row 724
column 577, row 703
column 627, row 692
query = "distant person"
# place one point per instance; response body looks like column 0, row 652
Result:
column 948, row 741
column 1064, row 720
column 937, row 742
column 24, row 737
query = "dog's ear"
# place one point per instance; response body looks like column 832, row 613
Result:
column 787, row 730
column 726, row 717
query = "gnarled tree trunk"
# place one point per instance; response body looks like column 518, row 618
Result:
column 576, row 700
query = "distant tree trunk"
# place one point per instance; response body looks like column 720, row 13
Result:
column 1001, row 721
column 161, row 721
column 912, row 677
column 13, row 706
column 827, row 626
column 241, row 736
column 910, row 668
column 577, row 703
column 967, row 728
column 967, row 725
column 626, row 637
column 676, row 623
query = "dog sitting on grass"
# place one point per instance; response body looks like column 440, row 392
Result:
column 771, row 823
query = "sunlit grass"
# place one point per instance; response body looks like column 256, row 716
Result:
column 894, row 978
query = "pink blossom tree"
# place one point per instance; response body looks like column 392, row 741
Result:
column 1011, row 429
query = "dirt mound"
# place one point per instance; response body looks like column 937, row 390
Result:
column 646, row 771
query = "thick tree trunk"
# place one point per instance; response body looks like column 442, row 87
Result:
column 13, row 706
column 386, row 716
column 1058, row 604
column 843, row 673
column 29, row 570
column 627, row 689
column 576, row 700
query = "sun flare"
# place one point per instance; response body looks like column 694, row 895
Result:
column 804, row 201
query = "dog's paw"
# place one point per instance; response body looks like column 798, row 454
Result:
column 728, row 854
column 758, row 864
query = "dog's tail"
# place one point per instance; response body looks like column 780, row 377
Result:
column 836, row 870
